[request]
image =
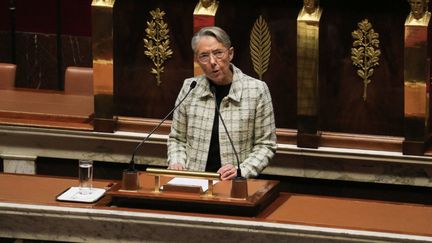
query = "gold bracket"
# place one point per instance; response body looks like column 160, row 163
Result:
column 157, row 173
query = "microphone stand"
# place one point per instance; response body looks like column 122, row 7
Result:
column 239, row 183
column 130, row 176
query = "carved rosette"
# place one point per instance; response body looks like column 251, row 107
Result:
column 365, row 52
column 157, row 43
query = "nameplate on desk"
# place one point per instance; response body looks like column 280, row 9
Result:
column 73, row 195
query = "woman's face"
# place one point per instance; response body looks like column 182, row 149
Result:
column 418, row 8
column 214, row 59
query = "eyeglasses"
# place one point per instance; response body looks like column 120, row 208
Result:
column 217, row 54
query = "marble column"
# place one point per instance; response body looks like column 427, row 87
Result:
column 308, row 22
column 417, row 81
column 103, row 65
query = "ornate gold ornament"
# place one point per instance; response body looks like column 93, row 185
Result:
column 365, row 52
column 157, row 42
column 260, row 46
column 103, row 3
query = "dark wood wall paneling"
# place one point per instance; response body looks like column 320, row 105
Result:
column 36, row 44
column 76, row 30
column 143, row 98
column 342, row 108
column 5, row 28
column 136, row 91
column 50, row 35
column 281, row 76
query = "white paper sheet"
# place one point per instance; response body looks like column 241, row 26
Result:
column 191, row 182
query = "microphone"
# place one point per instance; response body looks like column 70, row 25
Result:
column 239, row 175
column 132, row 162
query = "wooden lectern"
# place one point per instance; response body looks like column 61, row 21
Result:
column 260, row 194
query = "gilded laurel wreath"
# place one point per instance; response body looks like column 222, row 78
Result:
column 157, row 42
column 365, row 52
column 260, row 46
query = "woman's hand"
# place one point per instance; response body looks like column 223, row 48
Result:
column 176, row 166
column 227, row 172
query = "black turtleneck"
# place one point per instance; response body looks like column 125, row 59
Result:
column 214, row 159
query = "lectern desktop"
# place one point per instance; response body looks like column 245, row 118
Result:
column 260, row 193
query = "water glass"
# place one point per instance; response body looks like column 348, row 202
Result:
column 85, row 174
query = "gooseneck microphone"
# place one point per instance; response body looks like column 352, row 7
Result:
column 239, row 175
column 132, row 162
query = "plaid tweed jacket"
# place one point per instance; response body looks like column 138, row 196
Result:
column 248, row 114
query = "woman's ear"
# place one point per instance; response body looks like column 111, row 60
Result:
column 231, row 53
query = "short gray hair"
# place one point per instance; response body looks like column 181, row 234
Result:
column 213, row 31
